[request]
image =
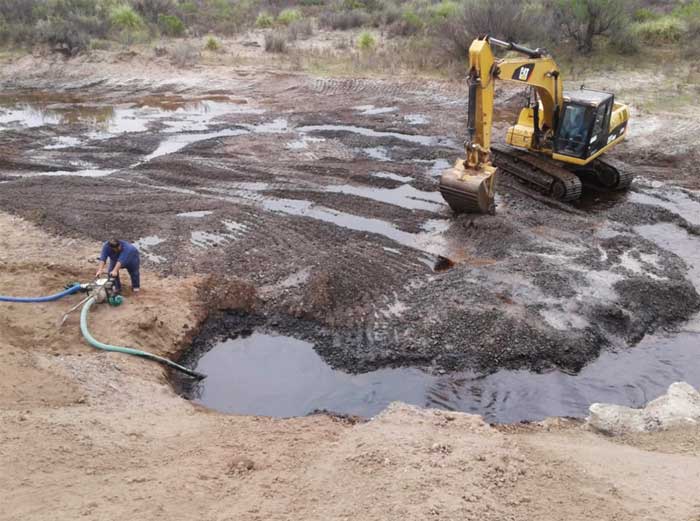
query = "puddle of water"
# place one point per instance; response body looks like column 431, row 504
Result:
column 50, row 108
column 416, row 119
column 205, row 240
column 63, row 142
column 393, row 177
column 430, row 241
column 195, row 215
column 438, row 167
column 277, row 126
column 303, row 143
column 87, row 172
column 405, row 196
column 281, row 376
column 145, row 243
column 378, row 153
column 371, row 110
column 368, row 132
column 676, row 240
column 180, row 141
column 678, row 203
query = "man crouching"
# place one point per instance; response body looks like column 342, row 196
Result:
column 121, row 254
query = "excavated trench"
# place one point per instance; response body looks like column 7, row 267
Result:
column 365, row 289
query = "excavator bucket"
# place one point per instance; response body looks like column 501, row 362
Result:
column 468, row 190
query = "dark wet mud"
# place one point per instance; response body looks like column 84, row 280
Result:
column 330, row 210
column 272, row 375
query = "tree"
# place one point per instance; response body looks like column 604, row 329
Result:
column 583, row 20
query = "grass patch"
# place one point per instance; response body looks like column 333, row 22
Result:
column 212, row 44
column 289, row 16
column 664, row 30
column 264, row 21
column 366, row 41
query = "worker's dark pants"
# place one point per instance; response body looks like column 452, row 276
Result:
column 132, row 268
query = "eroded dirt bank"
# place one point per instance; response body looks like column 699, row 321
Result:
column 321, row 195
column 102, row 436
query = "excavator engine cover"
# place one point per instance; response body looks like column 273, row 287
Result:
column 467, row 190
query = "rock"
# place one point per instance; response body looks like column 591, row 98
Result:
column 241, row 465
column 679, row 407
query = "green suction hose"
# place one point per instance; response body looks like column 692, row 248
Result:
column 99, row 345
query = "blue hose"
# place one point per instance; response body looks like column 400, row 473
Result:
column 50, row 298
column 136, row 352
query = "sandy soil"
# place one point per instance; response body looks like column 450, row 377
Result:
column 103, row 436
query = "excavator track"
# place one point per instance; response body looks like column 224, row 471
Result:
column 605, row 175
column 547, row 177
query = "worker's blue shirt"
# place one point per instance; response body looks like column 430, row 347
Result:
column 128, row 256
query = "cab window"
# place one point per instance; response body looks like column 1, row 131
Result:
column 573, row 130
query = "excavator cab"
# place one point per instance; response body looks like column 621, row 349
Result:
column 583, row 124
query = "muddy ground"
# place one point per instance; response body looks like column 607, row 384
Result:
column 320, row 194
column 94, row 435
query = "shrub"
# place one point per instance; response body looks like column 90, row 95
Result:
column 62, row 36
column 412, row 19
column 368, row 5
column 688, row 11
column 667, row 29
column 508, row 20
column 644, row 15
column 443, row 11
column 264, row 21
column 309, row 3
column 151, row 10
column 124, row 18
column 583, row 20
column 288, row 16
column 366, row 41
column 625, row 42
column 185, row 54
column 275, row 42
column 171, row 25
column 301, row 29
column 344, row 20
column 212, row 44
column 390, row 14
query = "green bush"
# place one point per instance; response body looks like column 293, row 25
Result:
column 212, row 44
column 124, row 18
column 151, row 10
column 366, row 41
column 644, row 15
column 288, row 16
column 444, row 10
column 667, row 29
column 626, row 41
column 368, row 5
column 412, row 19
column 688, row 11
column 171, row 25
column 264, row 21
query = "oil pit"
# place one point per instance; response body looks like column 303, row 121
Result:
column 262, row 373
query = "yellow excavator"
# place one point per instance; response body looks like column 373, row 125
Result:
column 556, row 144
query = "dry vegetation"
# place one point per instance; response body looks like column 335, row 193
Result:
column 416, row 35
